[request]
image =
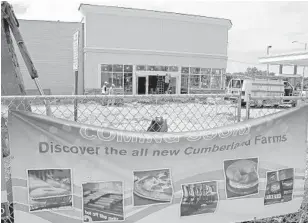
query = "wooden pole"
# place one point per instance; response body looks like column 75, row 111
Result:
column 11, row 78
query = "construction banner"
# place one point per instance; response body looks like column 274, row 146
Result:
column 64, row 171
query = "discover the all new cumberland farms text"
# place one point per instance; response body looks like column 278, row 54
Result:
column 51, row 148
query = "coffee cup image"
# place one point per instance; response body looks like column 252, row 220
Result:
column 242, row 178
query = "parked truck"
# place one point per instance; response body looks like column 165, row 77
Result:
column 259, row 87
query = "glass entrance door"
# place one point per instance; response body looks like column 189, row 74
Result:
column 141, row 85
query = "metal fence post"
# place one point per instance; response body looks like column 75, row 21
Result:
column 75, row 99
column 248, row 107
column 239, row 107
column 302, row 217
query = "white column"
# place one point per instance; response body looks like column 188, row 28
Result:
column 134, row 80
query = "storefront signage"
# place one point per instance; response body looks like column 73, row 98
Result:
column 75, row 50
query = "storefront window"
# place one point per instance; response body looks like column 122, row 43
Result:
column 128, row 68
column 216, row 82
column 185, row 70
column 194, row 70
column 173, row 69
column 205, row 81
column 203, row 78
column 141, row 67
column 164, row 68
column 128, row 83
column 216, row 71
column 205, row 70
column 118, row 80
column 109, row 78
column 106, row 68
column 150, row 68
column 117, row 68
column 105, row 77
column 184, row 83
column 158, row 68
column 114, row 74
column 194, row 81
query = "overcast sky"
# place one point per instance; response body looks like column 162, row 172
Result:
column 255, row 24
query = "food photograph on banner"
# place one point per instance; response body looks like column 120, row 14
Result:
column 279, row 186
column 241, row 177
column 103, row 201
column 199, row 198
column 152, row 187
column 4, row 210
column 49, row 189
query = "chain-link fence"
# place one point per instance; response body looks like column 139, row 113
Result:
column 135, row 113
column 261, row 106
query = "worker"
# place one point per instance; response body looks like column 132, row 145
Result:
column 111, row 101
column 167, row 82
column 159, row 124
column 104, row 88
column 287, row 89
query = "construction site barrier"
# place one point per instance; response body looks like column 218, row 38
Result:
column 182, row 113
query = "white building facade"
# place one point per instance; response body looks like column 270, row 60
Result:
column 131, row 47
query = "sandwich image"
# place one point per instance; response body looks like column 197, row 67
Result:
column 242, row 178
column 287, row 184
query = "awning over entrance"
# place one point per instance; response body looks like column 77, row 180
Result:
column 286, row 59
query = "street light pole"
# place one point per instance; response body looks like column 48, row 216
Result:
column 302, row 84
column 267, row 53
column 305, row 44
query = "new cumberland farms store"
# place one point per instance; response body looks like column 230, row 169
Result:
column 133, row 48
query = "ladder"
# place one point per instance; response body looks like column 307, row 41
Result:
column 160, row 87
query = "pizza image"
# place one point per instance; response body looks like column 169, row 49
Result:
column 155, row 186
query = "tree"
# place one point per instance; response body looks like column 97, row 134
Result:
column 253, row 71
column 250, row 72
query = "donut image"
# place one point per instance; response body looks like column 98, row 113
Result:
column 242, row 177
